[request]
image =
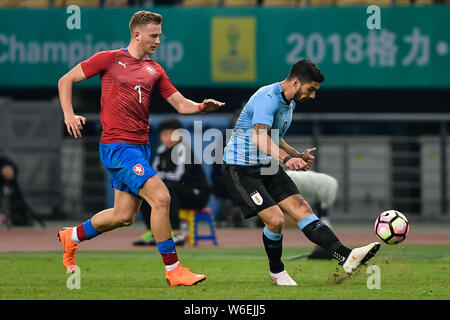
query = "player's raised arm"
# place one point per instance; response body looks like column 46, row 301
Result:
column 187, row 106
column 74, row 123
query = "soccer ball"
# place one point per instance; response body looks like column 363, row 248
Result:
column 391, row 226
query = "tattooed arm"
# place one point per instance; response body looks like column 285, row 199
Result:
column 261, row 138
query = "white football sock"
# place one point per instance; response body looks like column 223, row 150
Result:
column 172, row 266
column 75, row 235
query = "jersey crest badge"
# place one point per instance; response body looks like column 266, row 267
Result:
column 138, row 169
column 150, row 70
column 256, row 197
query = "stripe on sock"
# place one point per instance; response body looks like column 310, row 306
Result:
column 169, row 258
column 81, row 235
column 272, row 235
column 307, row 220
column 168, row 252
column 89, row 230
column 86, row 231
column 172, row 266
column 167, row 246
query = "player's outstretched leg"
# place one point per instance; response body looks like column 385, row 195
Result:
column 319, row 233
column 70, row 249
column 359, row 256
column 125, row 208
column 70, row 237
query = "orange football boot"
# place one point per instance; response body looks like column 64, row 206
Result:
column 70, row 249
column 183, row 277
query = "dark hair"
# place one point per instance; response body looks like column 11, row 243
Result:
column 307, row 71
column 172, row 123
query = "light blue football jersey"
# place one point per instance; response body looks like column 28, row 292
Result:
column 266, row 106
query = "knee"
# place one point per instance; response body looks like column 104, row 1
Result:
column 304, row 207
column 162, row 200
column 125, row 220
column 276, row 223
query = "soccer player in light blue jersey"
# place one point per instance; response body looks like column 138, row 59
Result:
column 265, row 189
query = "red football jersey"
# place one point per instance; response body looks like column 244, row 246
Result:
column 127, row 85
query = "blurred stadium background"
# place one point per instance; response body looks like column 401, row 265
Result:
column 380, row 119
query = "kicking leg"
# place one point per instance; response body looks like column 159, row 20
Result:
column 320, row 234
column 319, row 252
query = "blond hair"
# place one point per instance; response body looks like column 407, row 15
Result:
column 144, row 17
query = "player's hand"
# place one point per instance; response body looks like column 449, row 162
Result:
column 74, row 125
column 209, row 105
column 297, row 164
column 308, row 157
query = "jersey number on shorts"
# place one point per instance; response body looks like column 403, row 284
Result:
column 139, row 91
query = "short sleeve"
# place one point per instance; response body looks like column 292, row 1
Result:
column 97, row 63
column 264, row 108
column 166, row 88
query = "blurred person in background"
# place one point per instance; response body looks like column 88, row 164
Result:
column 16, row 210
column 183, row 176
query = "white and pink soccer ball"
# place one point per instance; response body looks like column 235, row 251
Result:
column 391, row 226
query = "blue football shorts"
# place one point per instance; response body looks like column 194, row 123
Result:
column 129, row 165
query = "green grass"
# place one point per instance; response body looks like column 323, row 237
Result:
column 407, row 272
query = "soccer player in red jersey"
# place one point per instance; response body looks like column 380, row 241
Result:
column 128, row 78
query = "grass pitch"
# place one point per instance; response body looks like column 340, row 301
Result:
column 406, row 272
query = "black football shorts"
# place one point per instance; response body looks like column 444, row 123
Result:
column 254, row 191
